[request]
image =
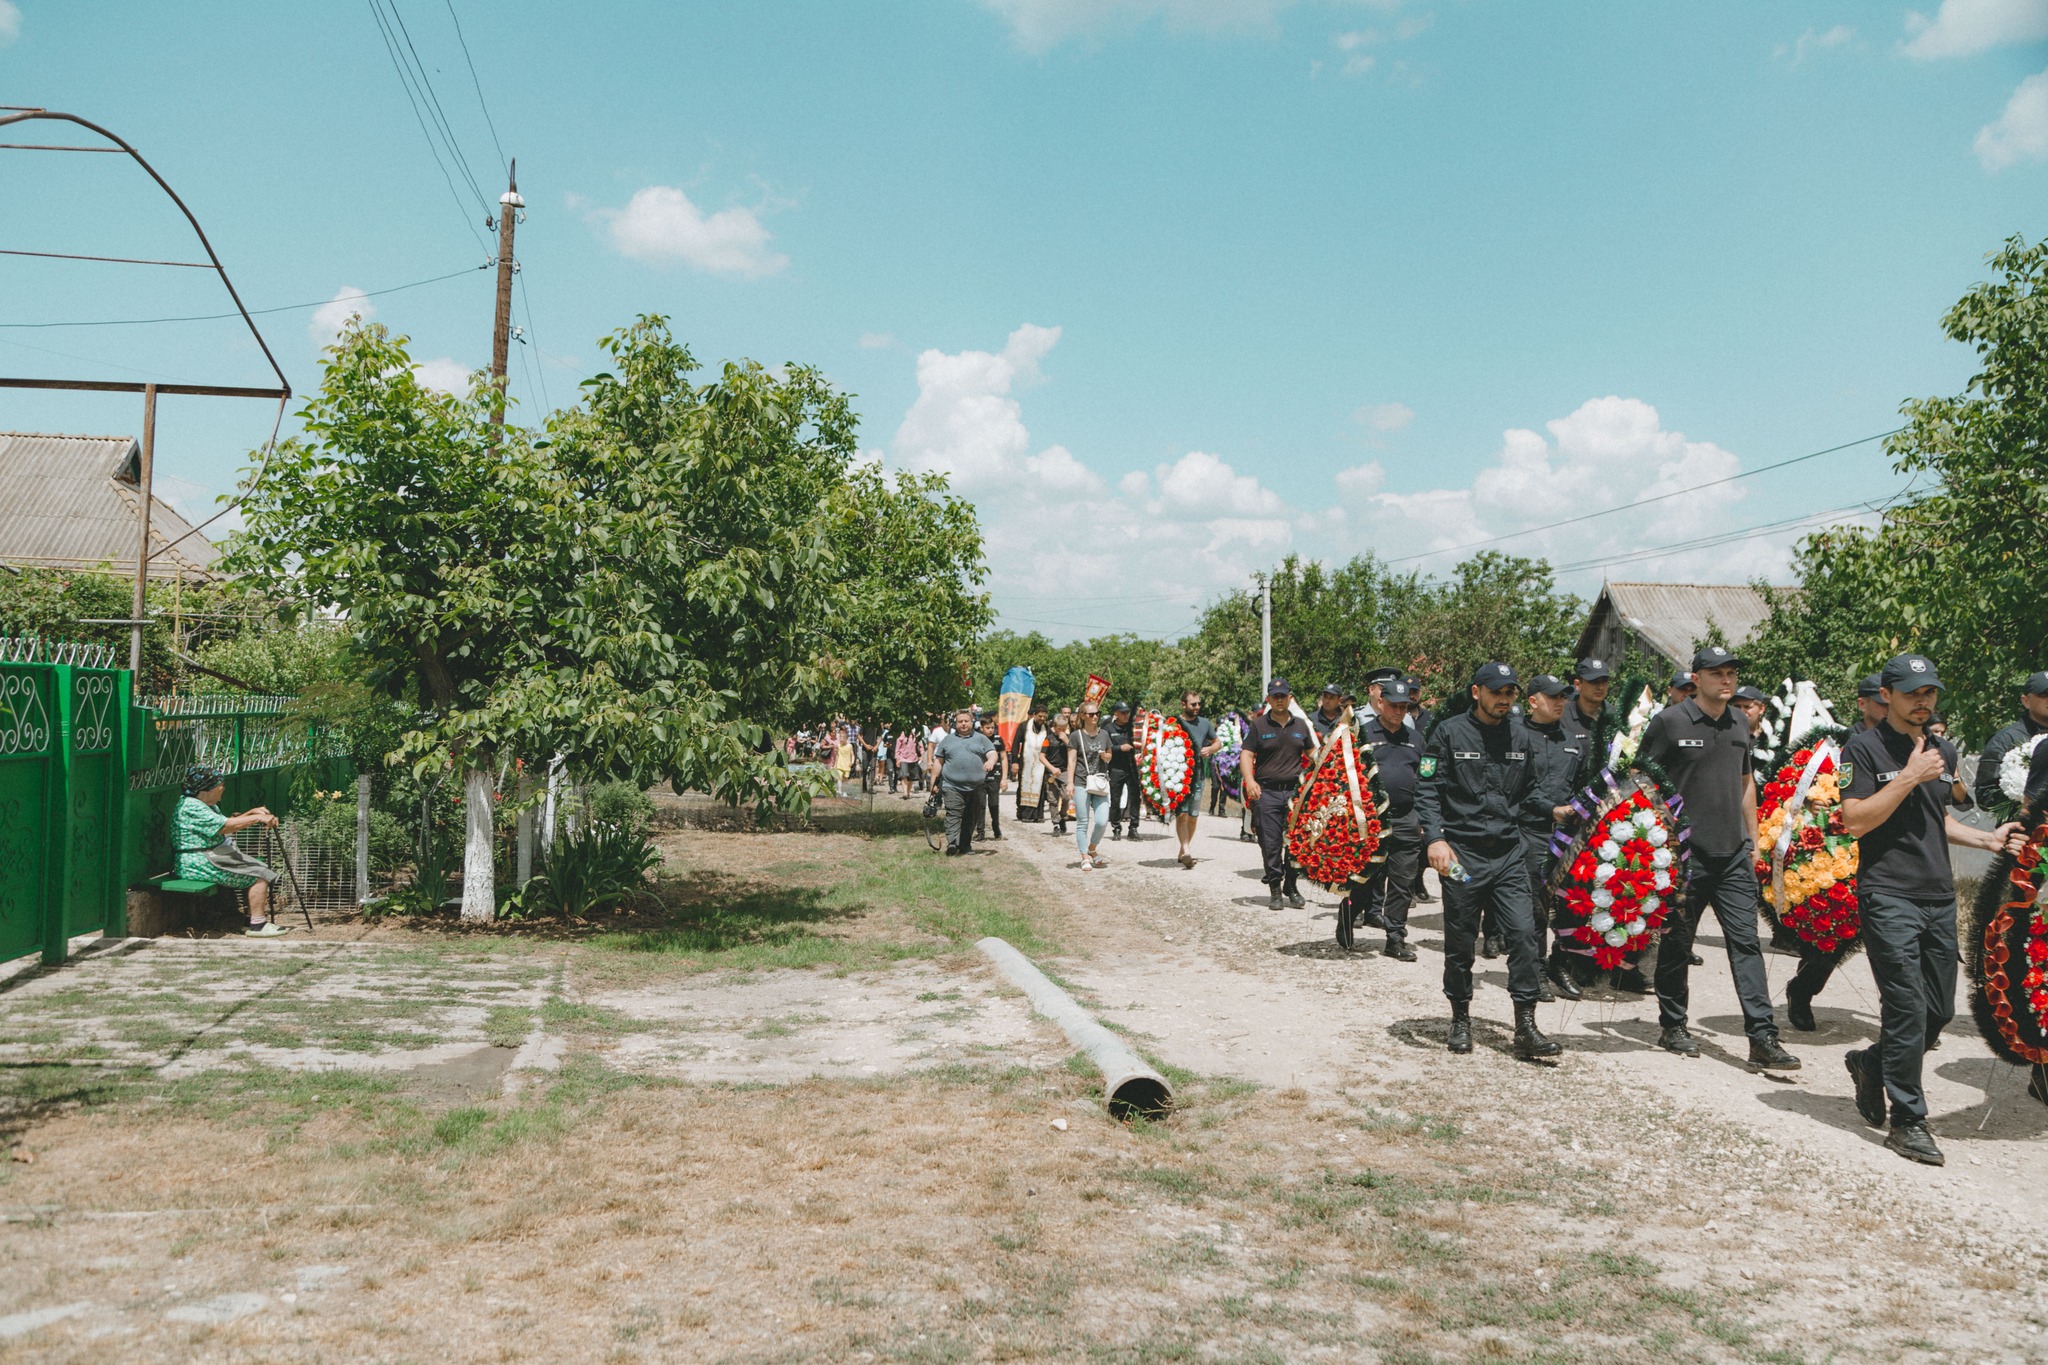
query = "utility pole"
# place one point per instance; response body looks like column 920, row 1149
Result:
column 144, row 492
column 509, row 207
column 1265, row 629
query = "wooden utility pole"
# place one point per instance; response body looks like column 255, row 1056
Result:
column 509, row 206
column 145, row 480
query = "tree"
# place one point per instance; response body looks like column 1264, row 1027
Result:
column 1954, row 571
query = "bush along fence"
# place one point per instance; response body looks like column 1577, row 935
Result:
column 90, row 777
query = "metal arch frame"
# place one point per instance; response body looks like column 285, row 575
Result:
column 12, row 114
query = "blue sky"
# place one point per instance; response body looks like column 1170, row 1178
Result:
column 1172, row 287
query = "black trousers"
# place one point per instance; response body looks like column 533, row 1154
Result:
column 1498, row 876
column 1536, row 857
column 1390, row 890
column 1727, row 882
column 963, row 812
column 1815, row 967
column 991, row 816
column 1912, row 949
column 1269, row 818
column 1125, row 797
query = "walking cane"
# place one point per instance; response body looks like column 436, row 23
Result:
column 284, row 856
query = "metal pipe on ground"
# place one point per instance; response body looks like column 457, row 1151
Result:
column 1130, row 1087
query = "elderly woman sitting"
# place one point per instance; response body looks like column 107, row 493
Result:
column 203, row 838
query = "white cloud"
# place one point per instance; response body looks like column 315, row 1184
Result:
column 1964, row 27
column 1358, row 46
column 876, row 341
column 660, row 224
column 1039, row 25
column 1812, row 41
column 330, row 317
column 10, row 21
column 443, row 374
column 1385, row 416
column 2021, row 133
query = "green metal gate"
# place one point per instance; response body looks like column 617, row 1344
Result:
column 93, row 725
column 28, row 773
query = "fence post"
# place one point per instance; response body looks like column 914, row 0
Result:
column 524, row 860
column 362, row 838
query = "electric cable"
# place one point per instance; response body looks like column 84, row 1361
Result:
column 488, row 123
column 426, row 83
column 1644, row 502
column 539, row 357
column 253, row 312
column 391, row 49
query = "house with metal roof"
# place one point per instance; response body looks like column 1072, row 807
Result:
column 1667, row 621
column 71, row 502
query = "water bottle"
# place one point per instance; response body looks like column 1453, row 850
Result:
column 1458, row 872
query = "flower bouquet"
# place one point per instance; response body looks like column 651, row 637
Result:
column 1166, row 763
column 1806, row 859
column 1618, row 880
column 1230, row 731
column 1333, row 829
column 2009, row 954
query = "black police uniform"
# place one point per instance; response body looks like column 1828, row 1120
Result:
column 1991, row 798
column 1585, row 731
column 1708, row 760
column 1390, row 890
column 1124, row 792
column 1907, row 893
column 1475, row 781
column 1555, row 755
column 1274, row 746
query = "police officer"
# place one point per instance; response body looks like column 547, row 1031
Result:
column 1556, row 755
column 1703, row 745
column 1420, row 718
column 1397, row 752
column 1475, row 779
column 1328, row 714
column 1586, row 718
column 2033, row 721
column 1895, row 799
column 1682, row 687
column 1870, row 707
column 1276, row 744
column 1123, row 771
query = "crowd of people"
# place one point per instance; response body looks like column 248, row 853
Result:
column 1478, row 794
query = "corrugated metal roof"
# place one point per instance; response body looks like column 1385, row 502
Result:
column 69, row 502
column 1672, row 616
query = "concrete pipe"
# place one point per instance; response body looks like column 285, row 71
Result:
column 1131, row 1087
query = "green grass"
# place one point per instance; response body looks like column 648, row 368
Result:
column 947, row 905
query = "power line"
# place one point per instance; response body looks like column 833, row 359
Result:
column 253, row 312
column 1644, row 502
column 441, row 115
column 475, row 82
column 539, row 361
column 1728, row 537
column 391, row 50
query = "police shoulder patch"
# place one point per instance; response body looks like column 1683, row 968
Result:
column 1845, row 770
column 1427, row 767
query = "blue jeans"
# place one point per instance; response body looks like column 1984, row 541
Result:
column 1090, row 813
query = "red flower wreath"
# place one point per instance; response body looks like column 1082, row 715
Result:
column 1333, row 834
column 1829, row 917
column 2020, row 897
column 1621, row 886
column 1166, row 764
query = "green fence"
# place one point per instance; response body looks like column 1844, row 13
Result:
column 90, row 778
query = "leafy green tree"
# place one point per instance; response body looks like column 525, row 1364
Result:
column 1059, row 672
column 1954, row 571
column 1495, row 606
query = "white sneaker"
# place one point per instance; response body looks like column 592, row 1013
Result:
column 270, row 929
column 1087, row 865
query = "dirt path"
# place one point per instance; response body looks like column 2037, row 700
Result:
column 1724, row 1173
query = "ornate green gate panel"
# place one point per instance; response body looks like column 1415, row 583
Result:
column 94, row 713
column 28, row 771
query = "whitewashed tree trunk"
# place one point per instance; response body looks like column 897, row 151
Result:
column 525, row 859
column 362, row 839
column 547, row 822
column 479, row 894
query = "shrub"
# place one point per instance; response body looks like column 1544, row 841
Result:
column 600, row 866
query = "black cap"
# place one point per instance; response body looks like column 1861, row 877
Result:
column 1545, row 685
column 1909, row 673
column 1331, row 689
column 1414, row 681
column 1279, row 688
column 1870, row 686
column 1117, row 706
column 2037, row 685
column 1748, row 693
column 1681, row 679
column 1713, row 656
column 1396, row 691
column 1495, row 675
column 1380, row 675
column 1592, row 670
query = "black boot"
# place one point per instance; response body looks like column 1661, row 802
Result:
column 1460, row 1040
column 1799, row 1010
column 1398, row 949
column 1765, row 1054
column 1530, row 1044
column 1489, row 945
column 1560, row 977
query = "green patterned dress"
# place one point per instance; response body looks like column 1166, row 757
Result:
column 198, row 828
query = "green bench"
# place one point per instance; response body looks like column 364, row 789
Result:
column 171, row 881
